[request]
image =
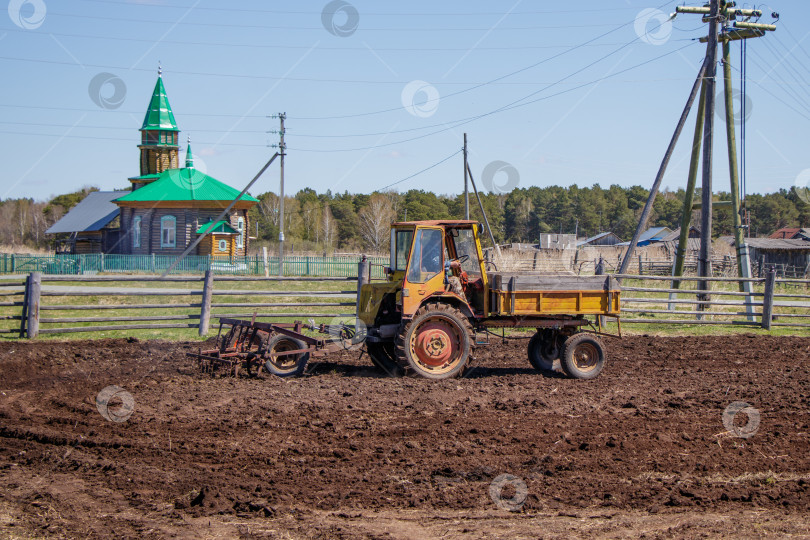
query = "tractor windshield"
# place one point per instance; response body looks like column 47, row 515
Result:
column 426, row 255
column 400, row 244
column 464, row 240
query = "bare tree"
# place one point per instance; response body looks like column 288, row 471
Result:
column 375, row 222
column 269, row 207
column 310, row 213
column 328, row 227
column 396, row 200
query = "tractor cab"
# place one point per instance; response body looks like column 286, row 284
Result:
column 428, row 259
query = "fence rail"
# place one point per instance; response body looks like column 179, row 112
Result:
column 42, row 303
column 39, row 314
column 714, row 306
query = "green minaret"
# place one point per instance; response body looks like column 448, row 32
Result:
column 159, row 145
column 189, row 155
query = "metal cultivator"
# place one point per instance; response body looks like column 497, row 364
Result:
column 281, row 349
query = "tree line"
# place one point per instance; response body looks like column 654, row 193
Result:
column 327, row 222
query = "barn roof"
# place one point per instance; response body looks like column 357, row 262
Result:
column 93, row 213
column 786, row 232
column 654, row 233
column 595, row 237
column 778, row 244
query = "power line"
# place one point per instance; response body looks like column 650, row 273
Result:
column 220, row 24
column 474, row 87
column 448, row 125
column 307, row 47
column 513, row 105
column 286, row 12
column 420, row 172
column 521, row 70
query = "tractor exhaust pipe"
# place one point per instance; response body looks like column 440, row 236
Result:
column 363, row 277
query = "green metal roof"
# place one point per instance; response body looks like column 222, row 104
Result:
column 159, row 115
column 220, row 226
column 189, row 157
column 151, row 176
column 185, row 185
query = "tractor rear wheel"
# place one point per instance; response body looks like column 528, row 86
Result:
column 544, row 352
column 436, row 343
column 383, row 357
column 285, row 365
column 583, row 356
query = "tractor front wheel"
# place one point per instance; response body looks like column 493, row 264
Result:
column 436, row 343
column 383, row 357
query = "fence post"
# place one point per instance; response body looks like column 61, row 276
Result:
column 600, row 271
column 362, row 271
column 640, row 268
column 205, row 309
column 24, row 311
column 767, row 300
column 32, row 301
column 266, row 267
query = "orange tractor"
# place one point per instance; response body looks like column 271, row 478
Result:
column 441, row 299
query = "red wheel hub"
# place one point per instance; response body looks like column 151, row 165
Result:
column 436, row 344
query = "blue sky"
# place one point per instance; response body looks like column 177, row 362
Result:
column 378, row 91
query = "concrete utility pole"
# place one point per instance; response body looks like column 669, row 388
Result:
column 466, row 188
column 282, row 152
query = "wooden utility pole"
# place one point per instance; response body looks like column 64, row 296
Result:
column 743, row 262
column 720, row 12
column 686, row 217
column 648, row 206
column 282, row 152
column 466, row 188
column 705, row 257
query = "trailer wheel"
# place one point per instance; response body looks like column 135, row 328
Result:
column 436, row 343
column 383, row 357
column 287, row 365
column 583, row 356
column 544, row 353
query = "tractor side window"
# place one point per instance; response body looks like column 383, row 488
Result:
column 426, row 256
column 465, row 245
column 400, row 244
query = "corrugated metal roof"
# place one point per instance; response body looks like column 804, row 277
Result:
column 221, row 227
column 159, row 115
column 676, row 234
column 595, row 237
column 184, row 185
column 653, row 233
column 91, row 214
column 785, row 232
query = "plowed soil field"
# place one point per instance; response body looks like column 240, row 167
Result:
column 344, row 452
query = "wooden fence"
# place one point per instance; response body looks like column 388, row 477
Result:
column 770, row 302
column 183, row 307
column 47, row 304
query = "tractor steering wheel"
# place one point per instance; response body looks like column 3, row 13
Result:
column 462, row 259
